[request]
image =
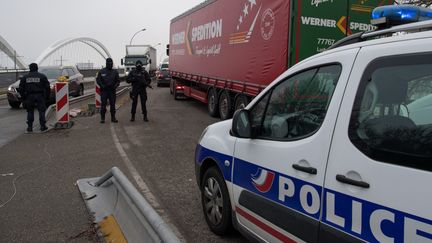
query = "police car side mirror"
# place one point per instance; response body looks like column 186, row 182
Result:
column 121, row 61
column 241, row 125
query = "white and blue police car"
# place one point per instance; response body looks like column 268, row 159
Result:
column 336, row 149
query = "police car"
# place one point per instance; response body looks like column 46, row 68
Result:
column 337, row 149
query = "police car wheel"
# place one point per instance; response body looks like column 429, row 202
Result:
column 215, row 202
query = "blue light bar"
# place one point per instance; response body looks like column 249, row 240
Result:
column 399, row 14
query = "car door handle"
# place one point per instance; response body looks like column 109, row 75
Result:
column 346, row 180
column 306, row 169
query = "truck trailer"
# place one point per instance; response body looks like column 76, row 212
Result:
column 225, row 52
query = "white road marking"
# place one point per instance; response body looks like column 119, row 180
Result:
column 138, row 179
column 142, row 185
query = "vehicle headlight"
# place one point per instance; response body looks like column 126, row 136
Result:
column 11, row 88
column 52, row 86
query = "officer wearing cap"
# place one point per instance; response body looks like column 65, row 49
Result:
column 108, row 81
column 140, row 80
column 34, row 89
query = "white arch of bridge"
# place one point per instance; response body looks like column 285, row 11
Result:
column 94, row 44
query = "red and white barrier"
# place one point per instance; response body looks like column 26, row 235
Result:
column 62, row 102
column 97, row 96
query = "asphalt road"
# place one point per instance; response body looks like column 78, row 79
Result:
column 47, row 206
column 13, row 121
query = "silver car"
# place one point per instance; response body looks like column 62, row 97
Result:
column 76, row 87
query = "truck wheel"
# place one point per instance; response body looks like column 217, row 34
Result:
column 241, row 102
column 212, row 103
column 215, row 202
column 225, row 106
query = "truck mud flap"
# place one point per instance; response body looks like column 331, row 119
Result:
column 121, row 211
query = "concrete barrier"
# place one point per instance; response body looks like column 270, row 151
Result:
column 121, row 211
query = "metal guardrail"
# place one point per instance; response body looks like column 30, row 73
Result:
column 114, row 195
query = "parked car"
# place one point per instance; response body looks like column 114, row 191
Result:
column 76, row 86
column 336, row 149
column 163, row 76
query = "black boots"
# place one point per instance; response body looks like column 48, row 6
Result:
column 43, row 128
column 102, row 118
column 29, row 127
column 133, row 118
column 113, row 118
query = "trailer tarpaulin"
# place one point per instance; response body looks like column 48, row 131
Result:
column 244, row 40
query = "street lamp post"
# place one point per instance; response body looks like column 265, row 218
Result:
column 135, row 35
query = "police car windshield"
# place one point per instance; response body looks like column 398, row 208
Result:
column 51, row 73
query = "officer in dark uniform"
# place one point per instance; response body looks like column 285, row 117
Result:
column 108, row 81
column 34, row 89
column 140, row 80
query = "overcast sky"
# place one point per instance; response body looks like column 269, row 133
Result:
column 30, row 26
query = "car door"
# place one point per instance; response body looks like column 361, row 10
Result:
column 278, row 176
column 378, row 181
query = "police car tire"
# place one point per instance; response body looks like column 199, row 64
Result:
column 225, row 226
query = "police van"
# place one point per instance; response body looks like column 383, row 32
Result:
column 336, row 149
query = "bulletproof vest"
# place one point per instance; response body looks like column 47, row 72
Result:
column 34, row 83
column 108, row 77
column 140, row 79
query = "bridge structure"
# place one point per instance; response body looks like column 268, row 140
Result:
column 11, row 54
column 84, row 52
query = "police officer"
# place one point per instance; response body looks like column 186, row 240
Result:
column 108, row 81
column 34, row 89
column 140, row 80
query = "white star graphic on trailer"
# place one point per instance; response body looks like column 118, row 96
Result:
column 245, row 10
column 241, row 19
column 252, row 2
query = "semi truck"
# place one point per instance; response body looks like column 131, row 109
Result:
column 225, row 52
column 144, row 53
